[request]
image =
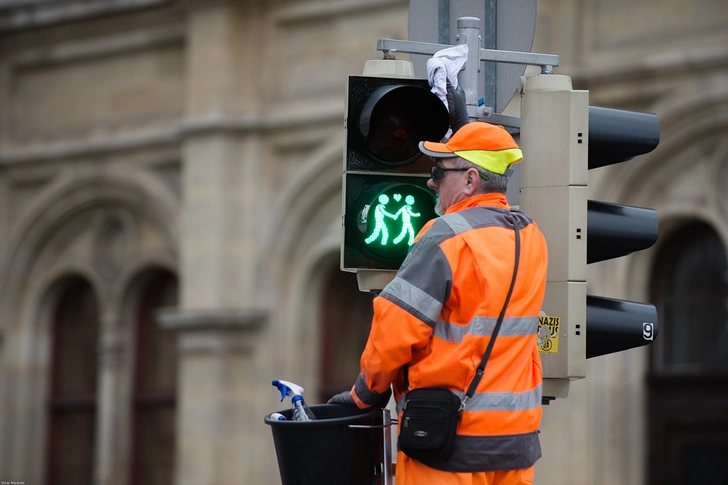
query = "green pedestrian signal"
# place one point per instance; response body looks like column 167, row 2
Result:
column 382, row 226
column 388, row 224
column 386, row 218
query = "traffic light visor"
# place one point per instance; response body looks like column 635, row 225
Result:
column 617, row 325
column 616, row 230
column 617, row 135
column 395, row 118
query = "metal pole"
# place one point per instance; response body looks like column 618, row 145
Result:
column 443, row 21
column 489, row 42
column 387, row 447
column 469, row 34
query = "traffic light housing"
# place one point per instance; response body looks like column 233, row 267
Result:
column 616, row 230
column 386, row 200
column 562, row 137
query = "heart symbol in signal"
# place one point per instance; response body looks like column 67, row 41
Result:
column 397, row 197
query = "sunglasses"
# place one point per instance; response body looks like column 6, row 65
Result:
column 438, row 173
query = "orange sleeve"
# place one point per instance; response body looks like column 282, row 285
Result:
column 394, row 335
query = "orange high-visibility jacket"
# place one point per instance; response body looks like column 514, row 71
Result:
column 437, row 316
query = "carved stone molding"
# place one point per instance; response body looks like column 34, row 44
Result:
column 655, row 67
column 116, row 236
column 24, row 14
column 109, row 45
column 214, row 331
column 216, row 318
column 307, row 11
column 70, row 30
column 173, row 133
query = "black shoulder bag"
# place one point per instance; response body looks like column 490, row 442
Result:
column 430, row 416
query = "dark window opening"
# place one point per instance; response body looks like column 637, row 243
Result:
column 346, row 319
column 155, row 376
column 691, row 289
column 688, row 381
column 72, row 403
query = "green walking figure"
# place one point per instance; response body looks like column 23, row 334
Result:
column 407, row 215
column 379, row 226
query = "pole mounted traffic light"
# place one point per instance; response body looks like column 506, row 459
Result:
column 386, row 200
column 562, row 137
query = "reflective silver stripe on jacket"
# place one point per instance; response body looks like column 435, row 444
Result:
column 503, row 401
column 512, row 327
column 457, row 222
column 495, row 401
column 414, row 300
column 427, row 308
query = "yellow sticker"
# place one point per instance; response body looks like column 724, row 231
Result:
column 548, row 334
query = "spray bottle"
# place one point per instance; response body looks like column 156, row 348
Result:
column 301, row 412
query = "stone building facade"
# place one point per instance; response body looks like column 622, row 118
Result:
column 170, row 187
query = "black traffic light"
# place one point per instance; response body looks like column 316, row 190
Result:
column 386, row 200
column 615, row 230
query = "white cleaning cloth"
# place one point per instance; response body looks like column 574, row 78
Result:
column 444, row 66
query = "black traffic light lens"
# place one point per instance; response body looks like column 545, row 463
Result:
column 392, row 138
column 396, row 118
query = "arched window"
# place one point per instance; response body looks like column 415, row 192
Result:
column 346, row 319
column 688, row 380
column 155, row 376
column 691, row 290
column 72, row 404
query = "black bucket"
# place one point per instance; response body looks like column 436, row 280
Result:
column 328, row 451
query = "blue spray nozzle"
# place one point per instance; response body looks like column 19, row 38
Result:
column 288, row 389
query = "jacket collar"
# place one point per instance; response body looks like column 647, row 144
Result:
column 495, row 199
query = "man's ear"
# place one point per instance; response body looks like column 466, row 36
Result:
column 472, row 182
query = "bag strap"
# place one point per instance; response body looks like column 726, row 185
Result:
column 481, row 367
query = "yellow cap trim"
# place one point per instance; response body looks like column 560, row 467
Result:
column 495, row 161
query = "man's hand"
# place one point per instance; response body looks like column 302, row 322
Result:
column 456, row 106
column 343, row 398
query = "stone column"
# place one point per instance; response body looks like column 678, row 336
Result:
column 220, row 306
column 217, row 414
column 223, row 189
column 112, row 408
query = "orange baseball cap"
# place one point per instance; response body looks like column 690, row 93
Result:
column 488, row 146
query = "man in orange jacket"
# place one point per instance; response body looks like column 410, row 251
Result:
column 437, row 315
